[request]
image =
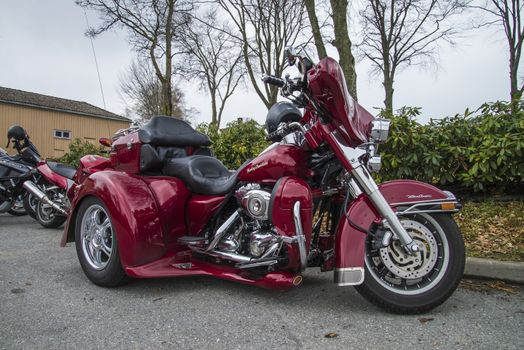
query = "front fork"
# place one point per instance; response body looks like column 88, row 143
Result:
column 390, row 220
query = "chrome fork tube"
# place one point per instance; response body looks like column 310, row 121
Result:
column 370, row 188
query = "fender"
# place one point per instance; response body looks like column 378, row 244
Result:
column 134, row 213
column 352, row 230
column 287, row 191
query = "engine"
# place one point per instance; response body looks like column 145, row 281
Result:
column 250, row 237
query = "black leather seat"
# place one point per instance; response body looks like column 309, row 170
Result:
column 202, row 174
column 171, row 132
column 62, row 169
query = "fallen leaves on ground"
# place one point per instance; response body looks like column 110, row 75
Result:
column 488, row 287
column 493, row 229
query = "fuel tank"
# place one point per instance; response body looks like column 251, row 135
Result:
column 276, row 161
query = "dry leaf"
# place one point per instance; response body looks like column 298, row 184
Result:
column 331, row 335
column 425, row 319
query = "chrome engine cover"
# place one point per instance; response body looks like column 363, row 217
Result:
column 255, row 201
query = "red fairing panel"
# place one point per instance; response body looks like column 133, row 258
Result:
column 171, row 196
column 281, row 160
column 200, row 209
column 90, row 164
column 133, row 210
column 51, row 176
column 125, row 153
column 328, row 85
column 286, row 193
column 350, row 240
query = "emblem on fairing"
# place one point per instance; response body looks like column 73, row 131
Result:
column 257, row 166
column 413, row 196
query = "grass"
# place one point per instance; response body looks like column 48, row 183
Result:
column 493, row 229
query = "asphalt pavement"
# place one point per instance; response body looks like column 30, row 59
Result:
column 47, row 302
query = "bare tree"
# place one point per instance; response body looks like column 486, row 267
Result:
column 400, row 33
column 214, row 59
column 151, row 25
column 338, row 12
column 142, row 92
column 507, row 13
column 263, row 29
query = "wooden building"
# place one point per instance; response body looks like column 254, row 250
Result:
column 52, row 122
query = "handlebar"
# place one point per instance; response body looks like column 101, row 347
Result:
column 272, row 80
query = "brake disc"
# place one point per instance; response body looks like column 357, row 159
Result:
column 415, row 266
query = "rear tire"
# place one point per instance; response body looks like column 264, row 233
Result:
column 48, row 217
column 96, row 244
column 416, row 284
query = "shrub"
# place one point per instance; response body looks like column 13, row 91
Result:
column 237, row 142
column 78, row 149
column 483, row 150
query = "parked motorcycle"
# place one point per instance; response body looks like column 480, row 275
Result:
column 53, row 205
column 16, row 169
column 163, row 208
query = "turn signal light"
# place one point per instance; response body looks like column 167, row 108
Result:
column 447, row 206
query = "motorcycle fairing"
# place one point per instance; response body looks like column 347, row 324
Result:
column 360, row 215
column 287, row 191
column 134, row 211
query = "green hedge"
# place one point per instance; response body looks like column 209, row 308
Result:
column 237, row 142
column 481, row 150
column 78, row 149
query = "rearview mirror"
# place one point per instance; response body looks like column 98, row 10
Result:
column 290, row 54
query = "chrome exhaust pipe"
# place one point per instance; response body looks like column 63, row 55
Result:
column 42, row 197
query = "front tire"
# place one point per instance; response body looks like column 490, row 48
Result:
column 30, row 204
column 17, row 209
column 414, row 284
column 96, row 244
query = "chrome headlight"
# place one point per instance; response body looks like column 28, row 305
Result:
column 379, row 130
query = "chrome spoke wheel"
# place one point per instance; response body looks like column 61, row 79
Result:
column 406, row 274
column 97, row 237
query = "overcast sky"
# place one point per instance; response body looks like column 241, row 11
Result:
column 44, row 50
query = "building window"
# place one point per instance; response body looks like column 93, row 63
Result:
column 62, row 134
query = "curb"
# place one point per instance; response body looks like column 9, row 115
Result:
column 493, row 269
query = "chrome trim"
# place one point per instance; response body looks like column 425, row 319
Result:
column 430, row 201
column 349, row 276
column 300, row 238
column 369, row 186
column 257, row 264
column 223, row 229
column 380, row 130
column 42, row 197
column 375, row 164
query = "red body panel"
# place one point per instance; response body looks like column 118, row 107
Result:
column 51, row 176
column 286, row 193
column 279, row 161
column 200, row 209
column 134, row 212
column 91, row 164
column 125, row 154
column 350, row 240
column 171, row 196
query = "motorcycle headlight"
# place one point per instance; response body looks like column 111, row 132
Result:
column 379, row 130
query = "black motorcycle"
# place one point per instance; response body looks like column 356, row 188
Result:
column 15, row 170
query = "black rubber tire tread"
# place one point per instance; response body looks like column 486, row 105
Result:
column 17, row 213
column 113, row 275
column 57, row 221
column 417, row 304
column 28, row 208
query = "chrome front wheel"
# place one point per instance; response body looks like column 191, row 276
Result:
column 415, row 283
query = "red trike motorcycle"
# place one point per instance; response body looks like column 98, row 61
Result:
column 165, row 207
